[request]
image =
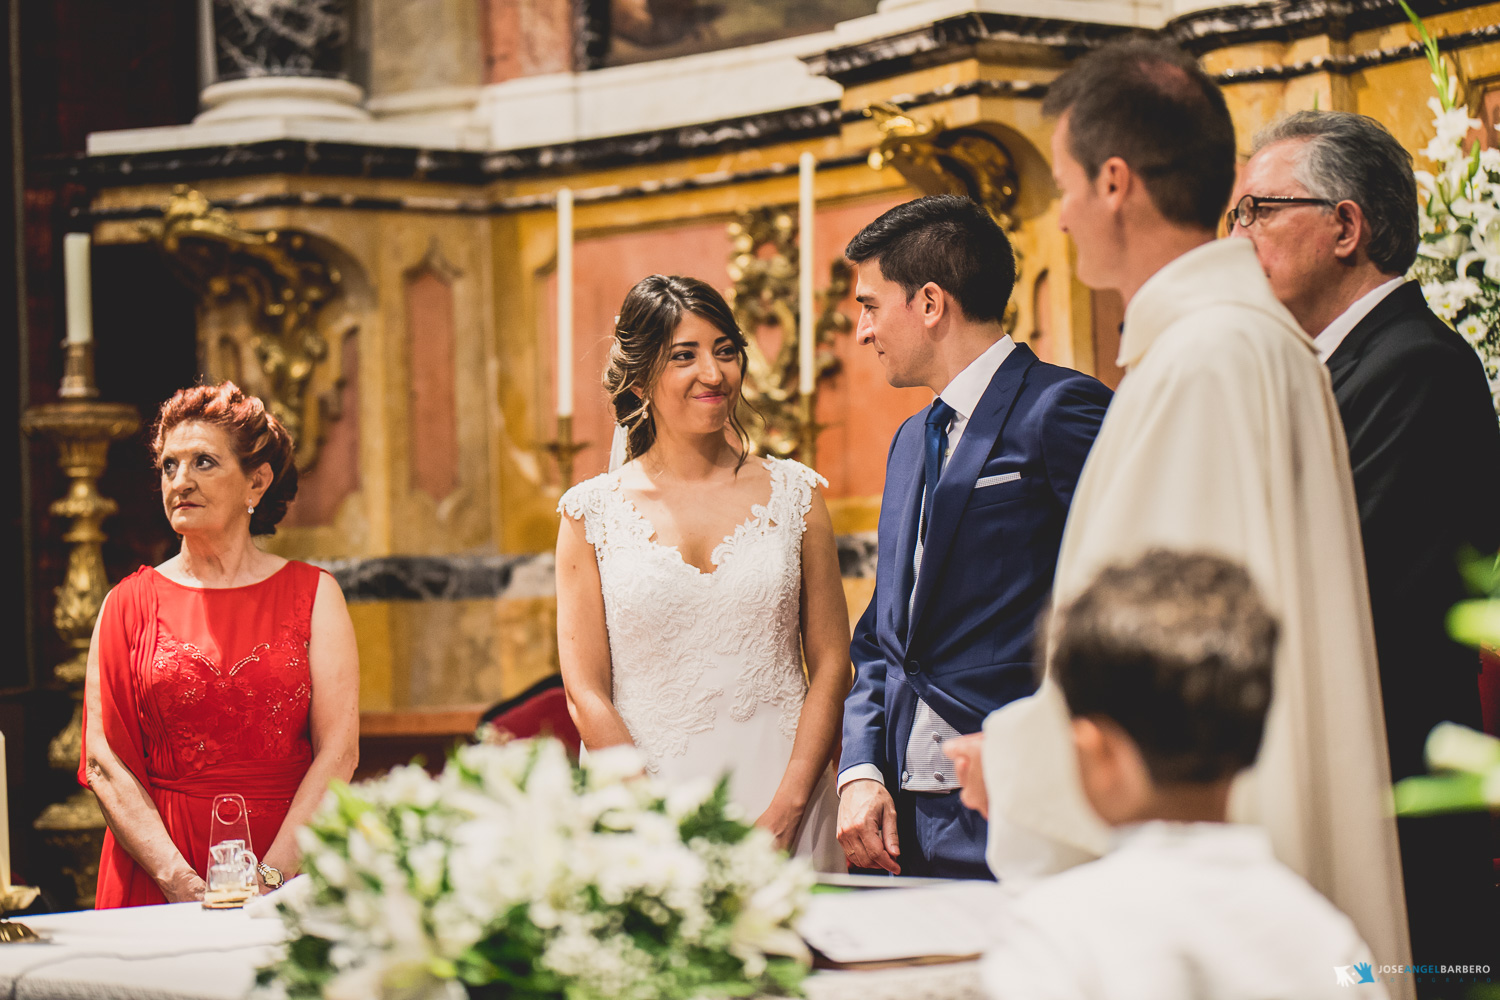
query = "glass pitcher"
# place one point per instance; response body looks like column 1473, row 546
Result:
column 231, row 861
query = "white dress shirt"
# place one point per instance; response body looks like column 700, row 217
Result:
column 1178, row 911
column 927, row 769
column 1334, row 333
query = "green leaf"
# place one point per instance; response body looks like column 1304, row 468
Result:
column 1475, row 623
column 1434, row 56
column 1444, row 793
column 1481, row 573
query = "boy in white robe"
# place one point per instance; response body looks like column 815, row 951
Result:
column 1166, row 669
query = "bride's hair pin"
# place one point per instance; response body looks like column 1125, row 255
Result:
column 648, row 318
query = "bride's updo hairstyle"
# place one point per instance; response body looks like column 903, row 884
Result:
column 255, row 434
column 648, row 318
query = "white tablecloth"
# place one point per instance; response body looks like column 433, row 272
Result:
column 175, row 952
column 184, row 952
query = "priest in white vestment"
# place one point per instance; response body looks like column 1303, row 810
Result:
column 1224, row 437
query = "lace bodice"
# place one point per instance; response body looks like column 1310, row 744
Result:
column 686, row 646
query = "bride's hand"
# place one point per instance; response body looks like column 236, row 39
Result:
column 782, row 819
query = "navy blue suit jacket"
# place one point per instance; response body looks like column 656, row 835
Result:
column 987, row 564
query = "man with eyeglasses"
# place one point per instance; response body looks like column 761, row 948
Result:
column 1329, row 201
column 1223, row 437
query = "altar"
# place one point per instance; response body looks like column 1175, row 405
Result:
column 182, row 951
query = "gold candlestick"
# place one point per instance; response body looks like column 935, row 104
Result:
column 563, row 449
column 83, row 429
column 807, row 430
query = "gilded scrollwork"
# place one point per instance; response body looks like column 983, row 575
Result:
column 268, row 315
column 763, row 264
column 964, row 161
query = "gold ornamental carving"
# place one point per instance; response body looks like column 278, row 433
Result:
column 962, row 161
column 83, row 429
column 280, row 326
column 763, row 264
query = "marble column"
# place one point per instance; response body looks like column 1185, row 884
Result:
column 280, row 59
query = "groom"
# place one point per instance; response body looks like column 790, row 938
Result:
column 977, row 488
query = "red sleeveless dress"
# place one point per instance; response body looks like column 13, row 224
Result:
column 204, row 692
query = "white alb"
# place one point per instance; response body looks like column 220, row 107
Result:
column 707, row 667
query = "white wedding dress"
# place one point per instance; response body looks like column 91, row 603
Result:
column 707, row 667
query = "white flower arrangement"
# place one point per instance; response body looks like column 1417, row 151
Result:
column 1458, row 260
column 518, row 874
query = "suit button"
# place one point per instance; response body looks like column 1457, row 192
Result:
column 937, row 737
column 913, row 666
column 938, row 776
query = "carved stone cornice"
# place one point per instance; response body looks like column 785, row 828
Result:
column 1015, row 35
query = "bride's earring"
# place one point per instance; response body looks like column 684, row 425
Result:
column 250, row 508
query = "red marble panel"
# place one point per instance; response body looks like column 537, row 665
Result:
column 321, row 490
column 526, row 38
column 858, row 408
column 433, row 432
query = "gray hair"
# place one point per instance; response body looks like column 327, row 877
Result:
column 1349, row 157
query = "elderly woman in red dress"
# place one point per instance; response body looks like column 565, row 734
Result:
column 224, row 669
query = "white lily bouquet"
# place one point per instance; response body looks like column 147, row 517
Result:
column 1458, row 260
column 518, row 874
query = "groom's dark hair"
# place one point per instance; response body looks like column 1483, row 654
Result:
column 948, row 240
column 1176, row 649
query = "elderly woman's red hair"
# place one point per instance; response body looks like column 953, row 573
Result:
column 256, row 436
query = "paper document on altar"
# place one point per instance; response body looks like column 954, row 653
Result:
column 885, row 925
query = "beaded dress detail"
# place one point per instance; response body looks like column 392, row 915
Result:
column 707, row 667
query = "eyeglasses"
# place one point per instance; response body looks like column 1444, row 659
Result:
column 1248, row 208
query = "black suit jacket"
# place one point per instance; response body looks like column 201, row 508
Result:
column 1425, row 448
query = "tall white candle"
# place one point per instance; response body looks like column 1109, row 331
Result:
column 80, row 288
column 565, row 302
column 806, row 336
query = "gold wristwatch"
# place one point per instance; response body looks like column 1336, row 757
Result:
column 270, row 876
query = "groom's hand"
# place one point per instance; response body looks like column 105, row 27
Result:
column 967, row 754
column 867, row 826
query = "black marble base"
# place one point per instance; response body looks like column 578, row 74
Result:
column 489, row 577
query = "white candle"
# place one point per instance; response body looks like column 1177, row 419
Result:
column 806, row 335
column 4, row 825
column 565, row 302
column 80, row 288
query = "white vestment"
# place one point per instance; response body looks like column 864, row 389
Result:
column 1225, row 437
column 1179, row 911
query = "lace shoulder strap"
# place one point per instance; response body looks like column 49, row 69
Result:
column 792, row 485
column 586, row 502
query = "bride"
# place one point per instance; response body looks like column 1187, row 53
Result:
column 693, row 579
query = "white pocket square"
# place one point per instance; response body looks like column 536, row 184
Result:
column 1004, row 477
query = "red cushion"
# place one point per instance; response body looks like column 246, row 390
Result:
column 544, row 714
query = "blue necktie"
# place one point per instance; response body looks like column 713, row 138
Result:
column 936, row 442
